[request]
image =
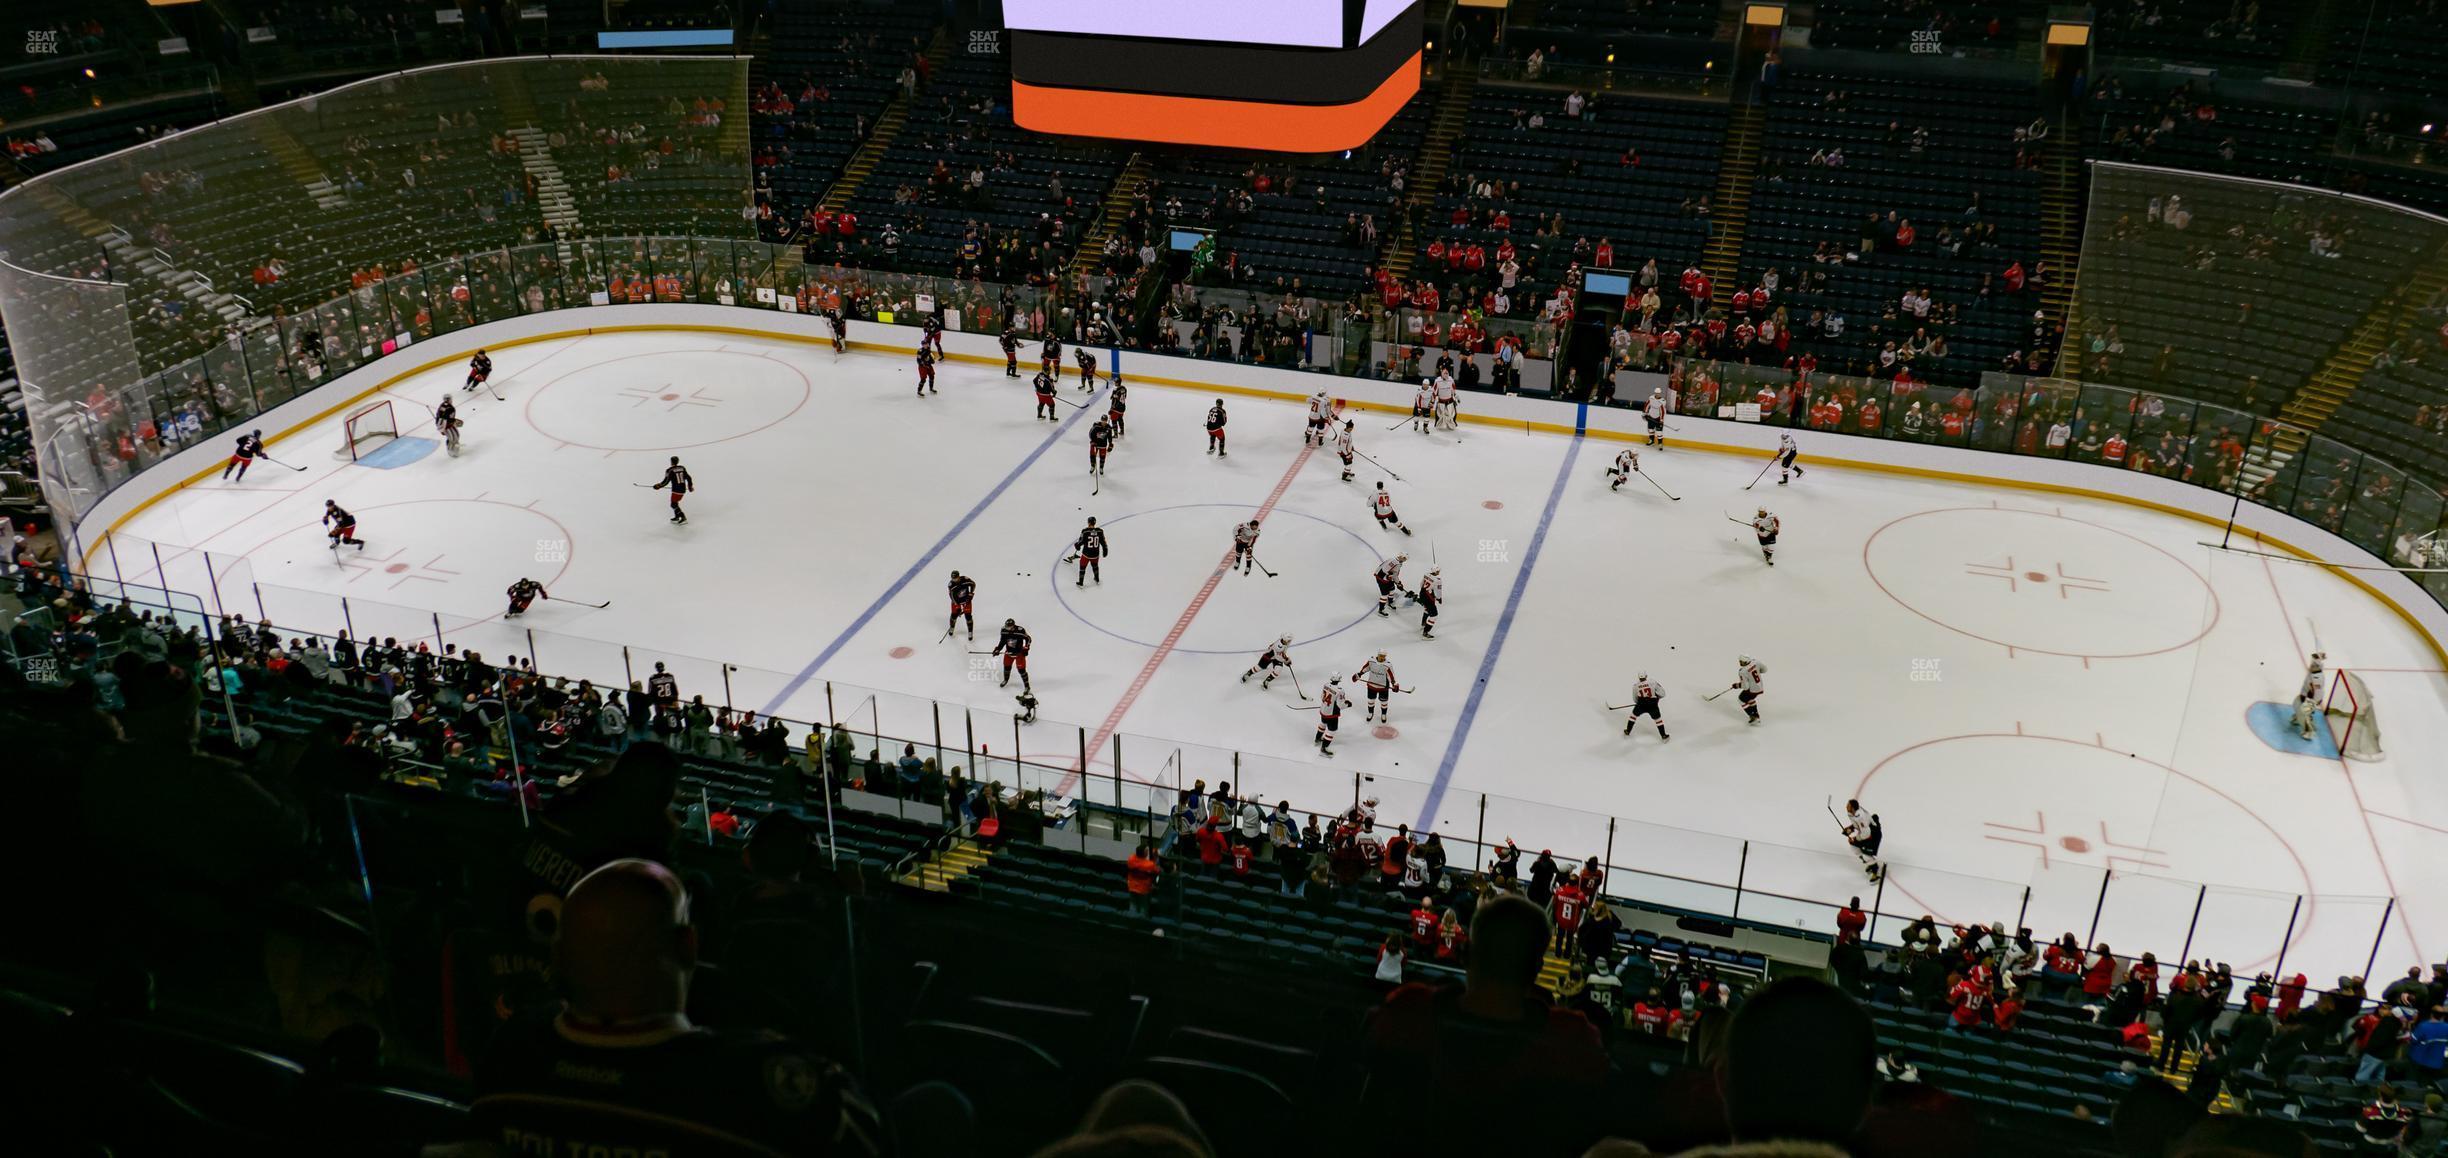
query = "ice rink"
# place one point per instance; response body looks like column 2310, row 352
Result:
column 2037, row 692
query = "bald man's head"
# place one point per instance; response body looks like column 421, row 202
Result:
column 625, row 947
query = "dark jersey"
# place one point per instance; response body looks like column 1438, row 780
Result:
column 1119, row 400
column 1091, row 542
column 1044, row 384
column 1011, row 345
column 333, row 514
column 525, row 589
column 546, row 1087
column 480, row 366
column 926, row 357
column 1215, row 418
column 933, row 325
column 663, row 686
column 962, row 589
column 677, row 478
column 1015, row 641
column 1053, row 350
column 249, row 446
column 1100, row 437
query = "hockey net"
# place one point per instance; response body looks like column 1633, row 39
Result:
column 2352, row 719
column 368, row 427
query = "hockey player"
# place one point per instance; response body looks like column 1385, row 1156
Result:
column 1014, row 648
column 1100, row 442
column 446, row 423
column 1245, row 546
column 1748, row 686
column 250, row 448
column 1431, row 593
column 1381, row 505
column 2308, row 700
column 1215, row 428
column 1422, row 403
column 1646, row 693
column 1389, row 581
column 1343, row 448
column 1277, row 655
column 926, row 371
column 1087, row 550
column 664, row 687
column 1321, row 416
column 522, row 593
column 480, row 368
column 1653, row 412
column 1764, row 525
column 840, row 328
column 343, row 526
column 1377, row 676
column 1627, row 463
column 930, row 334
column 1011, row 352
column 1787, row 452
column 1864, row 833
column 676, row 477
column 963, row 590
column 1087, row 367
column 1446, row 401
column 1049, row 357
column 1044, row 385
column 1331, row 702
column 1116, row 404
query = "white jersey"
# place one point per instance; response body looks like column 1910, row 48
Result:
column 1390, row 571
column 1376, row 673
column 1332, row 701
column 1648, row 689
column 1320, row 408
column 1626, row 462
column 1343, row 443
column 1748, row 677
column 1655, row 407
column 1419, row 401
column 1246, row 535
column 1382, row 503
column 1765, row 524
column 1785, row 444
column 1276, row 653
column 1431, row 587
column 1444, row 388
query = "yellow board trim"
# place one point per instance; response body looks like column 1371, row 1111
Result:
column 2438, row 650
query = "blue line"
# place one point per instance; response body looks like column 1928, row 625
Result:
column 1580, row 419
column 1504, row 627
column 893, row 592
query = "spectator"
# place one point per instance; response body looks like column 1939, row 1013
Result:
column 1487, row 1065
column 2427, row 1046
column 1566, row 906
column 1801, row 1065
column 1139, row 876
column 2385, row 1122
column 1210, row 841
column 621, row 1064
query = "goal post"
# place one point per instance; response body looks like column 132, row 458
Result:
column 367, row 428
column 2352, row 719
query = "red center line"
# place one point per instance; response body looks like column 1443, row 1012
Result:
column 1147, row 671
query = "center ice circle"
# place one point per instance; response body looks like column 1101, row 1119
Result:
column 667, row 400
column 2041, row 582
column 1161, row 559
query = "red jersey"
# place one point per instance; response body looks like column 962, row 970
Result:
column 1567, row 906
column 1423, row 925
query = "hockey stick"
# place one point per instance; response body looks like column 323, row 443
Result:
column 1727, row 688
column 1096, row 486
column 1741, row 522
column 1296, row 683
column 584, row 603
column 1070, row 403
column 1405, row 422
column 1617, row 707
column 496, row 390
column 1261, row 566
column 1660, row 489
column 1762, row 474
column 1379, row 465
column 277, row 462
column 648, row 486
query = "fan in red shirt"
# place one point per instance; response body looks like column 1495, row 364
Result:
column 1650, row 1013
column 1567, row 905
column 1423, row 926
column 1241, row 856
column 2100, row 977
column 1452, row 940
column 1971, row 1003
column 1210, row 846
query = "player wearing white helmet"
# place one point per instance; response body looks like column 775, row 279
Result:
column 1765, row 526
column 1389, row 581
column 1431, row 593
column 1321, row 414
column 1377, row 676
column 1627, row 461
column 1787, row 452
column 1331, row 702
column 1654, row 413
column 1749, row 686
column 1277, row 655
column 1646, row 693
column 1343, row 448
column 1381, row 505
column 1245, row 545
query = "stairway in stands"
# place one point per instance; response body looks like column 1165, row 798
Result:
column 1428, row 168
column 887, row 129
column 1730, row 205
column 2335, row 380
column 1084, row 262
column 936, row 873
column 552, row 188
column 294, row 160
column 2061, row 222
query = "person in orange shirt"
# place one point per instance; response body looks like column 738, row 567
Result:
column 1139, row 876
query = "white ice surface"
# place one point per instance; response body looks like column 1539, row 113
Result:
column 2031, row 689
